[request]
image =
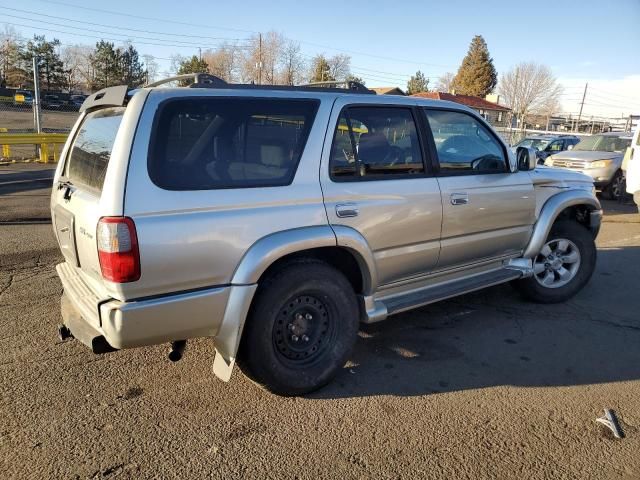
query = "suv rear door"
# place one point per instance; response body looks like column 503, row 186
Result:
column 77, row 192
column 488, row 211
column 375, row 180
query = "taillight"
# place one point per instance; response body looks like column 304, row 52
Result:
column 118, row 249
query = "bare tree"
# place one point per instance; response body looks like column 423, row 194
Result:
column 548, row 108
column 224, row 61
column 78, row 67
column 175, row 61
column 262, row 58
column 445, row 83
column 528, row 87
column 11, row 68
column 293, row 64
column 340, row 66
column 151, row 67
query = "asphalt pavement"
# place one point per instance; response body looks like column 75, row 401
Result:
column 481, row 386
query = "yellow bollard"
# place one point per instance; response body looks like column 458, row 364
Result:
column 6, row 149
column 44, row 153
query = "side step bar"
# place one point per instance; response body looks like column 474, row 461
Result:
column 427, row 295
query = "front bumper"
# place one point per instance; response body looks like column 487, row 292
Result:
column 108, row 324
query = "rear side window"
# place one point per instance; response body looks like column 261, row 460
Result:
column 375, row 143
column 91, row 149
column 211, row 143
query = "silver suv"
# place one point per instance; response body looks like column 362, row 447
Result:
column 599, row 156
column 275, row 219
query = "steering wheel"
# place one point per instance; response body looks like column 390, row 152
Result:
column 486, row 162
column 396, row 155
column 462, row 145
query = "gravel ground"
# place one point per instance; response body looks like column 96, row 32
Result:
column 482, row 386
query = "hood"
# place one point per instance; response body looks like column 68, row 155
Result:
column 586, row 155
column 560, row 177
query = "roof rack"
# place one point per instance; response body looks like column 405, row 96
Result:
column 348, row 84
column 205, row 80
column 199, row 79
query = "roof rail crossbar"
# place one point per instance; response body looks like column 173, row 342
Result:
column 199, row 80
column 347, row 84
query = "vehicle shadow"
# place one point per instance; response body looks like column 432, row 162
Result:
column 612, row 208
column 493, row 337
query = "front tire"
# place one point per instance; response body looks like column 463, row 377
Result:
column 617, row 188
column 563, row 266
column 302, row 326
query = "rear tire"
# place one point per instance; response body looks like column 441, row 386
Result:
column 302, row 326
column 564, row 265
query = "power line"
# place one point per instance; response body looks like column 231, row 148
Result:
column 111, row 12
column 242, row 30
column 84, row 22
column 102, row 37
column 102, row 31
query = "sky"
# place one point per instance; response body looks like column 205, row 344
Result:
column 582, row 41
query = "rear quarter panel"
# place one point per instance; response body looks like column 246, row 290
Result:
column 195, row 239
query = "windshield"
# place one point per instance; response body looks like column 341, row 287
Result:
column 603, row 143
column 536, row 143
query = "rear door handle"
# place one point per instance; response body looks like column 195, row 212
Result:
column 459, row 199
column 344, row 210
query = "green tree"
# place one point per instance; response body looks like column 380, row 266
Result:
column 50, row 67
column 320, row 70
column 193, row 65
column 355, row 78
column 133, row 73
column 106, row 66
column 417, row 83
column 476, row 76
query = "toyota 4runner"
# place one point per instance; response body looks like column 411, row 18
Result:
column 275, row 219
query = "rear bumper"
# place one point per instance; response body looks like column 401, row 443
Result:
column 110, row 324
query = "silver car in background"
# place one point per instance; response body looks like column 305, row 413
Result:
column 599, row 156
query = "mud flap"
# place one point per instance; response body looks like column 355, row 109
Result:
column 223, row 368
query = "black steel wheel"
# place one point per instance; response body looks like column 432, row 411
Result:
column 302, row 326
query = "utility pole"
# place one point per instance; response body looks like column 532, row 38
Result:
column 259, row 65
column 36, row 96
column 582, row 105
column 200, row 53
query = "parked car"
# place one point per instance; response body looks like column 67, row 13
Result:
column 274, row 219
column 632, row 168
column 22, row 98
column 76, row 101
column 600, row 157
column 546, row 145
column 52, row 102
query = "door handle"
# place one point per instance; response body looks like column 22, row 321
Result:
column 347, row 210
column 459, row 199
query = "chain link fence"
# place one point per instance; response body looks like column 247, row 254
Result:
column 58, row 113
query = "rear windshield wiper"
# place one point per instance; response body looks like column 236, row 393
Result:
column 64, row 183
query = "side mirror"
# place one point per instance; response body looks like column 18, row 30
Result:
column 527, row 159
column 570, row 147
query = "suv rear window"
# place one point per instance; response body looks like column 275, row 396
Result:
column 211, row 143
column 91, row 149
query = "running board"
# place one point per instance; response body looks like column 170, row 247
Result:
column 425, row 296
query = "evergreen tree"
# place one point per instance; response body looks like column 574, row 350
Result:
column 50, row 66
column 193, row 65
column 106, row 66
column 133, row 73
column 417, row 83
column 476, row 76
column 355, row 78
column 320, row 70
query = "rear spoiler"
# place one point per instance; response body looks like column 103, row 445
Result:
column 107, row 97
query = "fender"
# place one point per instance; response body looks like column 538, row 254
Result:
column 268, row 249
column 550, row 211
column 255, row 262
